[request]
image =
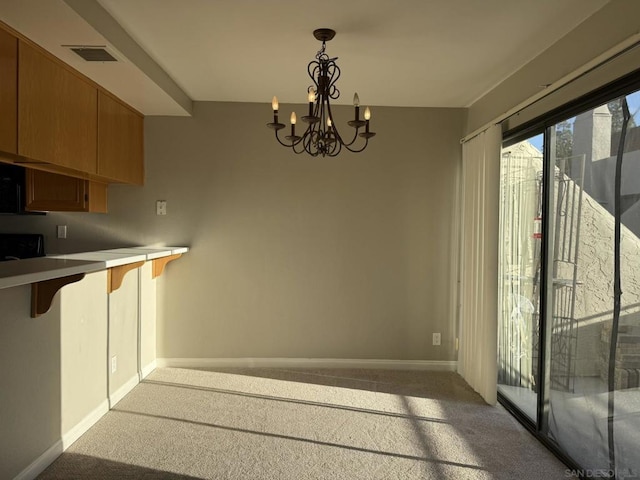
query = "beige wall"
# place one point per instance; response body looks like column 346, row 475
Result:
column 291, row 256
column 148, row 315
column 300, row 257
column 29, row 380
column 83, row 353
column 613, row 24
column 123, row 333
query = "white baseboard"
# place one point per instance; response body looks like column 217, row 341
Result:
column 147, row 369
column 437, row 365
column 85, row 424
column 47, row 458
column 40, row 463
column 120, row 393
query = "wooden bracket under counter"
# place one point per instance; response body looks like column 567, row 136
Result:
column 115, row 275
column 160, row 263
column 42, row 293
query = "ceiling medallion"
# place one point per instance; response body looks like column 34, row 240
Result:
column 321, row 136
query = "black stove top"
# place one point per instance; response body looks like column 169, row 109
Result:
column 14, row 246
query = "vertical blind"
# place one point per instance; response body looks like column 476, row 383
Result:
column 477, row 358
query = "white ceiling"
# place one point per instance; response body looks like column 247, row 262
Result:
column 437, row 53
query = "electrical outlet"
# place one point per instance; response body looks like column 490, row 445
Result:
column 62, row 231
column 436, row 339
column 161, row 207
column 114, row 364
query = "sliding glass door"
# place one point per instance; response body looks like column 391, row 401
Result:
column 569, row 325
column 519, row 272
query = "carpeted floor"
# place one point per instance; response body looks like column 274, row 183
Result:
column 305, row 424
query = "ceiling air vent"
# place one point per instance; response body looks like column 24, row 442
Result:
column 92, row 54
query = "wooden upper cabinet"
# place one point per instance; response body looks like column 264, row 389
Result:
column 57, row 113
column 8, row 93
column 58, row 193
column 120, row 141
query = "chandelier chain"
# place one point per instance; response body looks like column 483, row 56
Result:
column 321, row 51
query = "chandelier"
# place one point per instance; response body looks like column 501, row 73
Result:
column 321, row 136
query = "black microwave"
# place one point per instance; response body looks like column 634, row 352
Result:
column 12, row 189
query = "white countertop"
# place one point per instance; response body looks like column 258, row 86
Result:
column 21, row 272
column 150, row 252
column 109, row 259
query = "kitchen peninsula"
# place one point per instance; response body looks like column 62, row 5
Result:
column 68, row 359
column 55, row 266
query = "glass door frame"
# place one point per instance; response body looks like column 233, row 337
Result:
column 545, row 125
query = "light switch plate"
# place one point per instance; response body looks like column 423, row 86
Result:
column 62, row 231
column 161, row 207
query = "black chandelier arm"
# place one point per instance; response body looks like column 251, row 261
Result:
column 289, row 145
column 337, row 134
column 310, row 141
column 353, row 150
column 304, row 142
column 318, row 110
column 297, row 152
column 307, row 142
column 336, row 150
column 280, row 141
column 347, row 144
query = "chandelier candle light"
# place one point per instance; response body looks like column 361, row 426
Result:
column 321, row 136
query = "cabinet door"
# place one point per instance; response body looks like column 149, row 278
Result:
column 57, row 113
column 97, row 197
column 120, row 141
column 8, row 93
column 59, row 193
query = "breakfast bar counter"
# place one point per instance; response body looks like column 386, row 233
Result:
column 31, row 270
column 49, row 274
